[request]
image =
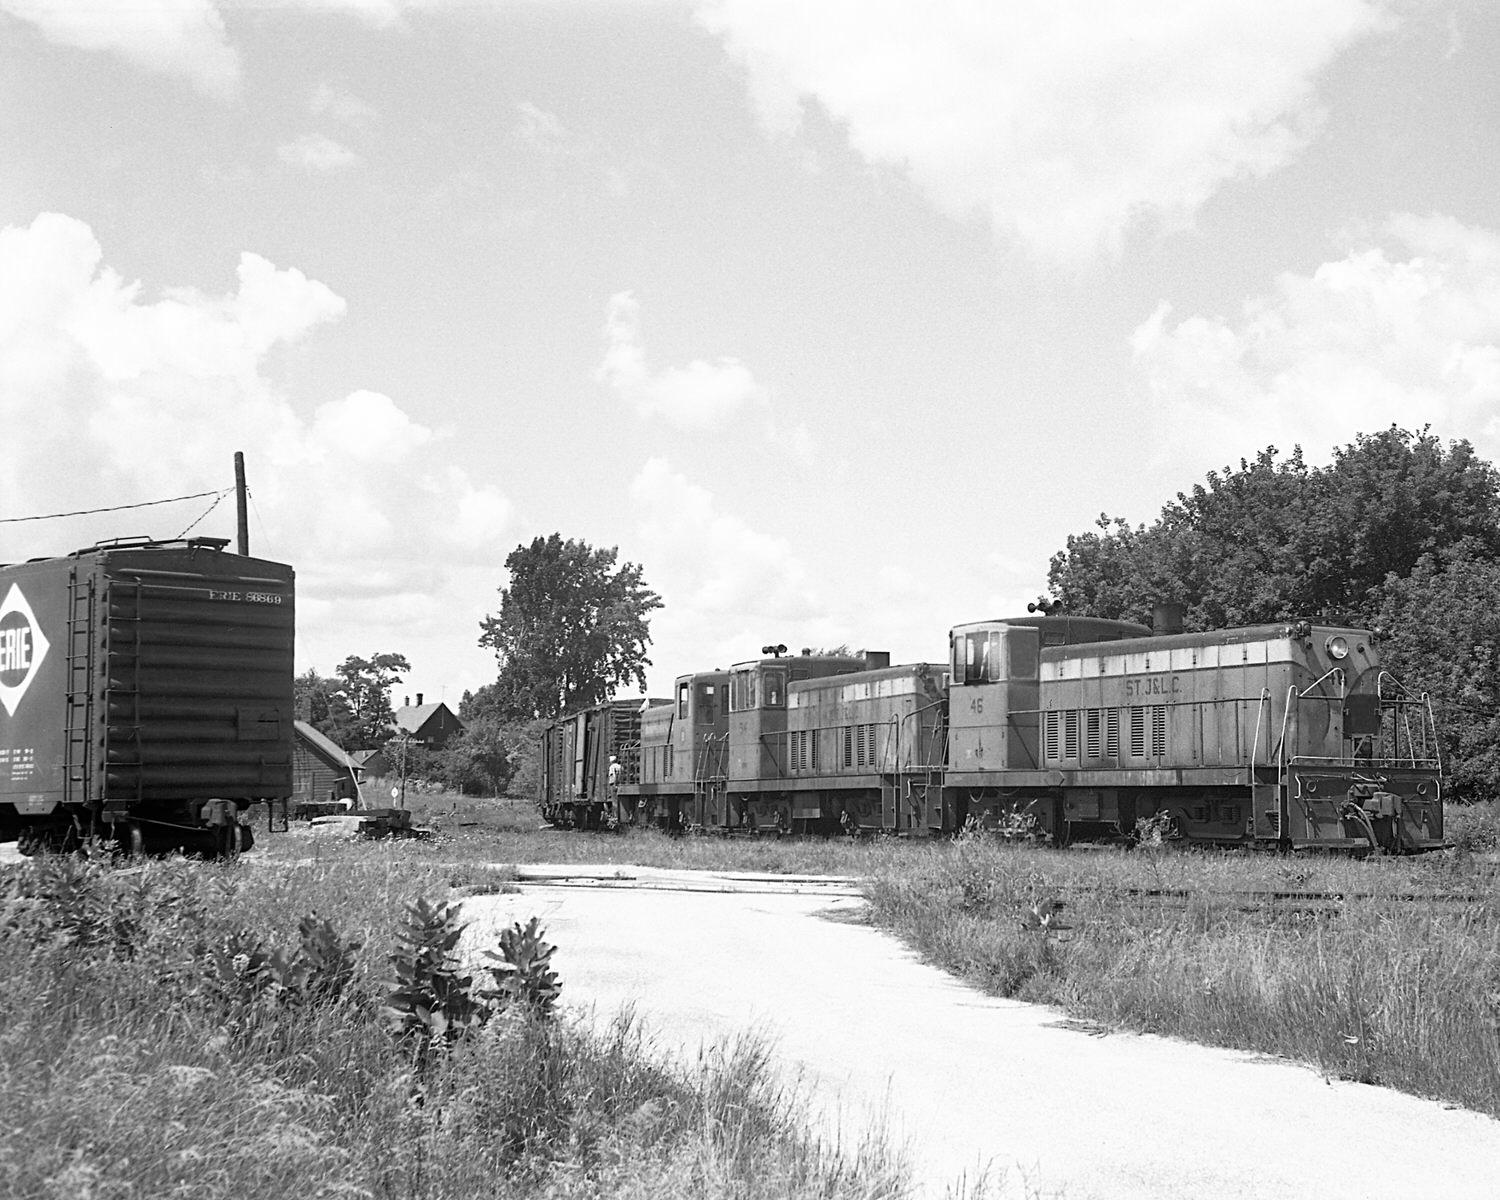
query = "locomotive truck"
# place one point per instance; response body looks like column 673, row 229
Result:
column 145, row 695
column 1291, row 735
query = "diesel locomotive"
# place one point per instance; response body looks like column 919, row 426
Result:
column 145, row 695
column 1289, row 735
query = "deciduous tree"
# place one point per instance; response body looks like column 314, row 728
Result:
column 1277, row 539
column 1441, row 635
column 321, row 703
column 366, row 684
column 573, row 625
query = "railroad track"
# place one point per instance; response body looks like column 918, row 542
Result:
column 1257, row 900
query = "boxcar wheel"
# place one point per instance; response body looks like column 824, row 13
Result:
column 232, row 841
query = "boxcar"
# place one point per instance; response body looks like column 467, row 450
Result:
column 145, row 694
column 578, row 751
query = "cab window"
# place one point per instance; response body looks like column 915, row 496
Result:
column 982, row 661
column 775, row 688
column 683, row 692
column 706, row 698
column 742, row 691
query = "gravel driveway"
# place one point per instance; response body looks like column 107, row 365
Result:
column 971, row 1083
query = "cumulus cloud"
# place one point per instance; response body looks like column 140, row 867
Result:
column 540, row 129
column 698, row 395
column 330, row 100
column 185, row 38
column 316, row 152
column 1063, row 123
column 724, row 581
column 1403, row 330
column 111, row 396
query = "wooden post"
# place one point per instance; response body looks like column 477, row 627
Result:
column 239, row 502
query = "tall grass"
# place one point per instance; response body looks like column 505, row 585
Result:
column 508, row 830
column 1374, row 988
column 134, row 1062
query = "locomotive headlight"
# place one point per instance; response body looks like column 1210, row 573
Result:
column 1337, row 648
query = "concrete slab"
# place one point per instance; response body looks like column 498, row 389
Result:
column 975, row 1084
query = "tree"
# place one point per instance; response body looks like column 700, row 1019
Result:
column 366, row 684
column 1442, row 636
column 572, row 627
column 321, row 703
column 1277, row 539
column 480, row 759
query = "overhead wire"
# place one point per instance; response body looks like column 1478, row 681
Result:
column 203, row 514
column 87, row 512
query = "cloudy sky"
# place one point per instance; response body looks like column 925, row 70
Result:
column 838, row 316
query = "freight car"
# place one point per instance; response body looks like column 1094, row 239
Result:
column 586, row 758
column 1290, row 735
column 145, row 695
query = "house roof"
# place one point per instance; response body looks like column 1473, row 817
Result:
column 326, row 747
column 361, row 757
column 411, row 717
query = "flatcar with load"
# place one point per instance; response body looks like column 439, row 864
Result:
column 145, row 695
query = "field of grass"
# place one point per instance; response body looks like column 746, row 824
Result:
column 508, row 830
column 167, row 1029
column 1160, row 939
column 161, row 1033
column 1372, row 988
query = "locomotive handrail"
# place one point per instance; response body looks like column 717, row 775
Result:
column 1293, row 695
column 915, row 713
column 1286, row 717
column 1399, row 701
column 1336, row 672
column 1260, row 708
column 1437, row 746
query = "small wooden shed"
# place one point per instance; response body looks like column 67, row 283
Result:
column 321, row 771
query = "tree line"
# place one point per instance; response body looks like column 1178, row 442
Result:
column 1399, row 533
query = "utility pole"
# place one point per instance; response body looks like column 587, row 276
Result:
column 239, row 503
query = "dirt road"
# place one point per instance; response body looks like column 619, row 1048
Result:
column 974, row 1083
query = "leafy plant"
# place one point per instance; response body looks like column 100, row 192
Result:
column 523, row 970
column 319, row 971
column 430, row 1000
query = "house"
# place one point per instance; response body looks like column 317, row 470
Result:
column 321, row 771
column 431, row 726
column 370, row 764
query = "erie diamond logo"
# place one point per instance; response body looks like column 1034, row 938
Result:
column 22, row 648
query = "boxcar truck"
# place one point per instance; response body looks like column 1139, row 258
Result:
column 145, row 695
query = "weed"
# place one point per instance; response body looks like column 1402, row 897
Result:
column 430, row 1001
column 523, row 970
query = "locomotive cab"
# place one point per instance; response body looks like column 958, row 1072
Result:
column 683, row 748
column 756, row 769
column 996, row 768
